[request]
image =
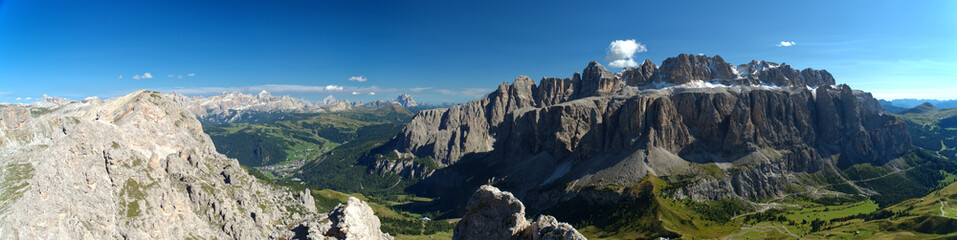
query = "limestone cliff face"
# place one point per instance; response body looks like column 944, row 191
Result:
column 758, row 123
column 135, row 167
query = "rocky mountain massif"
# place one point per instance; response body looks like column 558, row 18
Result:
column 135, row 167
column 752, row 131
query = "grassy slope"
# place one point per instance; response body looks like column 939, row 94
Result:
column 934, row 130
column 649, row 215
column 917, row 218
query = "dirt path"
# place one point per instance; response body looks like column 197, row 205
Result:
column 942, row 204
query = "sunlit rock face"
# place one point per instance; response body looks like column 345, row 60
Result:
column 138, row 166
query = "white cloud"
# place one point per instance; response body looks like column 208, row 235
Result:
column 475, row 92
column 334, row 88
column 191, row 75
column 419, row 89
column 19, row 98
column 786, row 44
column 171, row 75
column 621, row 52
column 620, row 63
column 472, row 92
column 28, row 98
column 180, row 76
column 358, row 79
column 144, row 76
column 355, row 93
column 121, row 77
column 371, row 93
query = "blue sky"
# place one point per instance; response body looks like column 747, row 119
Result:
column 453, row 51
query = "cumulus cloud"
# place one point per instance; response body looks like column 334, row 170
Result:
column 19, row 98
column 358, row 79
column 355, row 93
column 334, row 88
column 171, row 75
column 371, row 93
column 121, row 77
column 621, row 53
column 144, row 76
column 786, row 44
column 191, row 75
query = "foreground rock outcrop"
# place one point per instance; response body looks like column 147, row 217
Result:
column 138, row 167
column 353, row 220
column 494, row 214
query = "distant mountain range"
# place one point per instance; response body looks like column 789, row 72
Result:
column 237, row 107
column 898, row 105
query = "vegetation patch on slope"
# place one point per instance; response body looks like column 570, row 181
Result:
column 647, row 213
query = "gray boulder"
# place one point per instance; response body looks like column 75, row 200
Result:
column 494, row 214
column 353, row 220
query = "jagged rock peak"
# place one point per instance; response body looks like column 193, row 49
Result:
column 494, row 214
column 686, row 68
column 264, row 95
column 405, row 100
column 597, row 80
column 329, row 100
column 595, row 71
column 640, row 76
column 49, row 101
